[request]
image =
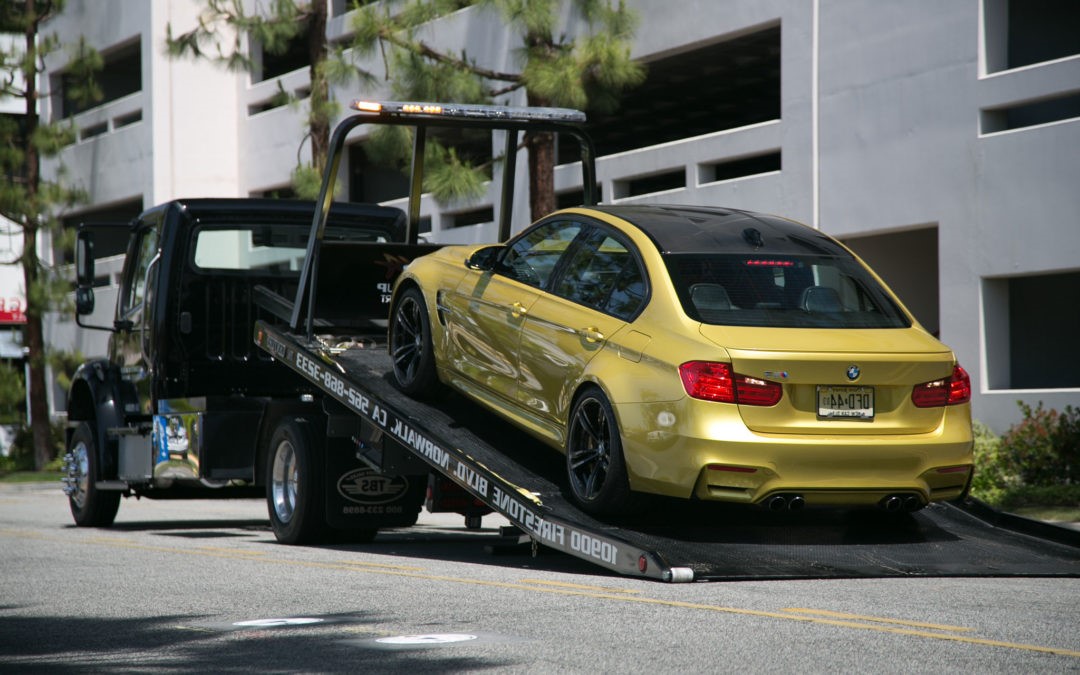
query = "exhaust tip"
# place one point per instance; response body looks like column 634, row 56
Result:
column 892, row 503
column 796, row 503
column 912, row 503
column 777, row 503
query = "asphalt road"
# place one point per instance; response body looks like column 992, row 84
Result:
column 184, row 587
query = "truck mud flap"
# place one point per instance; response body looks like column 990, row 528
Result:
column 358, row 497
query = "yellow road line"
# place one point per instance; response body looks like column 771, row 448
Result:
column 563, row 584
column 381, row 566
column 878, row 619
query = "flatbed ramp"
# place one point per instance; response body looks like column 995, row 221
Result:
column 672, row 540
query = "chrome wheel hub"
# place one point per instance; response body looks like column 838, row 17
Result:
column 283, row 483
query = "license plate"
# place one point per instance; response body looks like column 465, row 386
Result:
column 845, row 403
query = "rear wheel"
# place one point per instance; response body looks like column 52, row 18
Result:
column 595, row 464
column 90, row 507
column 294, row 486
column 410, row 345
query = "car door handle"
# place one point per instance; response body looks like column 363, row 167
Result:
column 592, row 335
column 518, row 310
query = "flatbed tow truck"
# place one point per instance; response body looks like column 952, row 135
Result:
column 503, row 470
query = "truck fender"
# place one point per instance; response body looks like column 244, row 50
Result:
column 99, row 395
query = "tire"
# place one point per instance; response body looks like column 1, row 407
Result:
column 595, row 465
column 294, row 484
column 90, row 507
column 410, row 345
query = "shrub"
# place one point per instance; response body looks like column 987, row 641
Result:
column 1044, row 447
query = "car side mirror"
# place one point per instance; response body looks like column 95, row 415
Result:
column 484, row 259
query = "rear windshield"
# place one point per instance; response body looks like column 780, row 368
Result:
column 781, row 291
column 267, row 249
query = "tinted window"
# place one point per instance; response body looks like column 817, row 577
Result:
column 532, row 258
column 603, row 274
column 781, row 291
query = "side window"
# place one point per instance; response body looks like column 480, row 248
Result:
column 532, row 259
column 603, row 274
column 134, row 290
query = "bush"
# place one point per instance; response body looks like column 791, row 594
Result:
column 1037, row 461
column 1044, row 447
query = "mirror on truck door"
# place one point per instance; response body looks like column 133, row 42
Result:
column 84, row 279
column 84, row 273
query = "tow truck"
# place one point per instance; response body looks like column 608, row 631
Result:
column 339, row 452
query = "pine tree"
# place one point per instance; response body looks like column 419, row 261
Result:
column 26, row 198
column 588, row 71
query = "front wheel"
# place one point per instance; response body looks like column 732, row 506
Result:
column 595, row 464
column 294, row 486
column 90, row 507
column 410, row 345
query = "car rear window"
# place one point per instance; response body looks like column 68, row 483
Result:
column 781, row 291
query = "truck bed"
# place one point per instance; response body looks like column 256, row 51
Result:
column 672, row 540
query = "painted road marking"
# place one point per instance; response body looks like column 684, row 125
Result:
column 807, row 618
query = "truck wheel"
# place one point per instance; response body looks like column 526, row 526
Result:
column 90, row 507
column 594, row 459
column 410, row 345
column 294, row 487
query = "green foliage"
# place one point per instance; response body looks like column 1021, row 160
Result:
column 12, row 394
column 1036, row 461
column 21, row 453
column 1044, row 447
column 588, row 71
column 306, row 181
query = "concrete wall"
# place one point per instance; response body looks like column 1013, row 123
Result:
column 880, row 135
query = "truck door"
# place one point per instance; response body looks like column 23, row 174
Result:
column 129, row 347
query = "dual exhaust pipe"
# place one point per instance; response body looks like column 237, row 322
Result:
column 901, row 502
column 785, row 502
column 896, row 503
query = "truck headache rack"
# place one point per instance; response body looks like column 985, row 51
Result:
column 421, row 116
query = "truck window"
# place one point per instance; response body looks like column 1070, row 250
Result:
column 273, row 249
column 134, row 291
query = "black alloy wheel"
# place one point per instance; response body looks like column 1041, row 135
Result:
column 410, row 345
column 595, row 464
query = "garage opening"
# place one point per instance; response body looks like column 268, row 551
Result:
column 908, row 262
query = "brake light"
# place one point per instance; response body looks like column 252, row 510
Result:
column 711, row 381
column 952, row 391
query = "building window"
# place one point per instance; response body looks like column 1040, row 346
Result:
column 1030, row 325
column 121, row 76
column 1020, row 33
column 725, row 85
column 275, row 64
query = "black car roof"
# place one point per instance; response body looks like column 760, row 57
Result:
column 704, row 229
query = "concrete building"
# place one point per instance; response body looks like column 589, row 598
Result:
column 940, row 140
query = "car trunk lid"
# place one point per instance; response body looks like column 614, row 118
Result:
column 844, row 382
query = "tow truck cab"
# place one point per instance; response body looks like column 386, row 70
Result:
column 184, row 400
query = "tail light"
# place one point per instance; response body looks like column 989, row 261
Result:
column 717, row 382
column 956, row 389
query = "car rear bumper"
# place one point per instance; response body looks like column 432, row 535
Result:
column 692, row 448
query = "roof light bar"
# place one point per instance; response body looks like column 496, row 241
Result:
column 470, row 111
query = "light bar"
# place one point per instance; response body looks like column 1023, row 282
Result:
column 469, row 111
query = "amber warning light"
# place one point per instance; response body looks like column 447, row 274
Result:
column 470, row 111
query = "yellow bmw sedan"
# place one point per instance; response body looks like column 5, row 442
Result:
column 694, row 352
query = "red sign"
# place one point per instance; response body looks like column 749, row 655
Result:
column 12, row 310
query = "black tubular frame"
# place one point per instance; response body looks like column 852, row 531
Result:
column 494, row 118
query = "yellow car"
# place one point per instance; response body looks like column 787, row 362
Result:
column 693, row 352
